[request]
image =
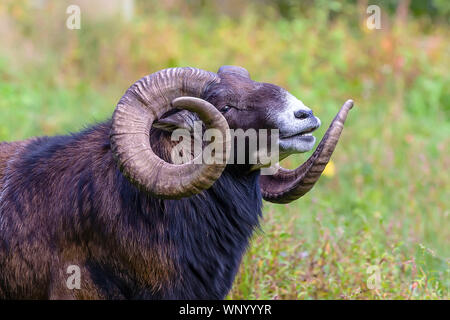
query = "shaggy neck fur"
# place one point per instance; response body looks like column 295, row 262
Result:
column 71, row 205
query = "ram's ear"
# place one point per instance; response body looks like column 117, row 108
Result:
column 234, row 69
column 180, row 119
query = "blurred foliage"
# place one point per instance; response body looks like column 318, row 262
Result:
column 428, row 9
column 384, row 200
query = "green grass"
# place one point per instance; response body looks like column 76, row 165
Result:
column 387, row 202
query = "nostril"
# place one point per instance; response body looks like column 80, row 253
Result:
column 303, row 114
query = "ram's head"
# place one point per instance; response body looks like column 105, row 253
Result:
column 176, row 98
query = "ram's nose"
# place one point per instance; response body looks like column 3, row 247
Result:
column 303, row 114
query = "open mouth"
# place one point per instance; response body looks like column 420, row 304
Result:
column 298, row 140
column 304, row 133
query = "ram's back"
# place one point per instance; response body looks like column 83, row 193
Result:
column 8, row 150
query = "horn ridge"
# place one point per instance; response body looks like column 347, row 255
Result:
column 141, row 105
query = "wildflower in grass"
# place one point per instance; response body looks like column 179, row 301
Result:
column 329, row 170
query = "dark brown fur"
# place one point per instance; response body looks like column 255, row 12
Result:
column 64, row 201
column 70, row 204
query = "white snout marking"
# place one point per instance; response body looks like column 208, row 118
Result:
column 287, row 118
column 290, row 125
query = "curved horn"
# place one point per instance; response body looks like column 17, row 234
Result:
column 142, row 104
column 288, row 185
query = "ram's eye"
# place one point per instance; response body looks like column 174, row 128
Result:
column 226, row 109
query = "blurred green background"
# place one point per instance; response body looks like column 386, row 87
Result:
column 383, row 200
